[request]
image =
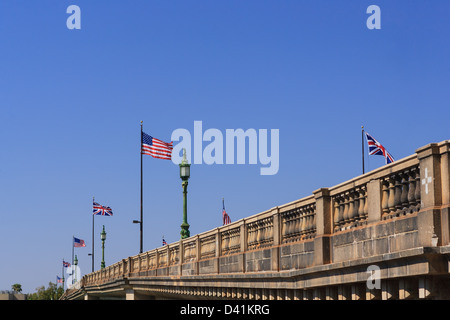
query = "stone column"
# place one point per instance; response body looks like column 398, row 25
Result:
column 243, row 240
column 429, row 219
column 445, row 179
column 218, row 249
column 181, row 258
column 276, row 240
column 197, row 254
column 324, row 227
column 374, row 201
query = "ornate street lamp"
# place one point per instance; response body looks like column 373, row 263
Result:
column 103, row 238
column 185, row 169
column 75, row 263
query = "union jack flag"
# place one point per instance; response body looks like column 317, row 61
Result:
column 100, row 210
column 155, row 147
column 375, row 148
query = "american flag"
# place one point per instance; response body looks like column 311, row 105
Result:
column 225, row 217
column 77, row 243
column 164, row 242
column 100, row 210
column 59, row 280
column 375, row 148
column 156, row 148
column 66, row 264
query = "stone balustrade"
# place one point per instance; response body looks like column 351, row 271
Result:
column 397, row 207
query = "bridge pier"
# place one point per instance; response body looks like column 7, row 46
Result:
column 131, row 294
column 90, row 297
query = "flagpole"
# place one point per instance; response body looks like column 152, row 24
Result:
column 62, row 275
column 142, row 215
column 73, row 240
column 362, row 147
column 93, row 215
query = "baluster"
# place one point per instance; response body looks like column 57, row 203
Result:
column 313, row 213
column 411, row 190
column 341, row 211
column 366, row 203
column 310, row 220
column 307, row 221
column 360, row 215
column 417, row 191
column 351, row 206
column 337, row 217
column 284, row 226
column 391, row 200
column 302, row 221
column 355, row 215
column 398, row 193
column 385, row 198
column 346, row 207
column 404, row 197
column 297, row 224
column 289, row 224
column 269, row 230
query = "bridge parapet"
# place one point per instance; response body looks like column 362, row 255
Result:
column 400, row 206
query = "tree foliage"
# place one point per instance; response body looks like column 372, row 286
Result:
column 16, row 287
column 52, row 292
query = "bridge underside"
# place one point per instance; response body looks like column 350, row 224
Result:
column 419, row 273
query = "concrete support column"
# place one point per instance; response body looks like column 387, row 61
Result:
column 251, row 293
column 407, row 288
column 197, row 254
column 374, row 201
column 358, row 292
column 445, row 180
column 218, row 249
column 243, row 242
column 389, row 290
column 324, row 227
column 181, row 258
column 276, row 240
column 330, row 293
column 297, row 294
column 130, row 294
column 424, row 288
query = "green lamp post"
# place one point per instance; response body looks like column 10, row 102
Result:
column 75, row 263
column 184, row 175
column 103, row 238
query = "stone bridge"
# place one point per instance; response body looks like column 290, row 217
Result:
column 382, row 235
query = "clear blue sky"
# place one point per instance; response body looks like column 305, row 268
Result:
column 71, row 102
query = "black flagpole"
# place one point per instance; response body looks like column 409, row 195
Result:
column 93, row 215
column 142, row 215
column 362, row 146
column 73, row 241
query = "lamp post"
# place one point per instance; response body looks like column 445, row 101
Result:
column 184, row 175
column 103, row 238
column 140, row 223
column 75, row 263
